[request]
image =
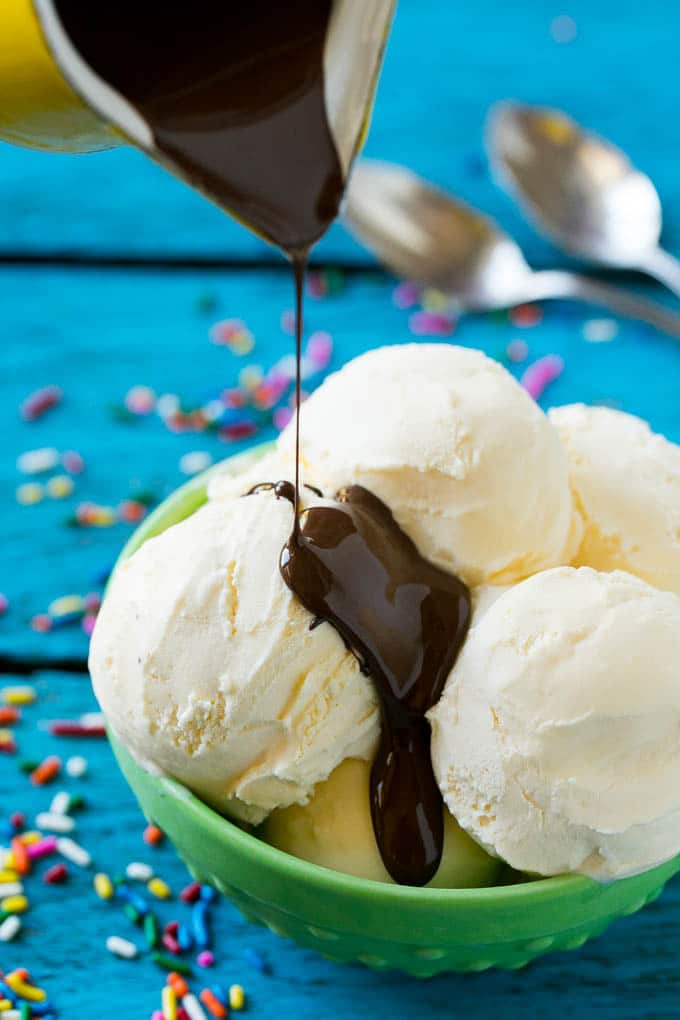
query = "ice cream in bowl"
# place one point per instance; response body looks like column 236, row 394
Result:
column 440, row 732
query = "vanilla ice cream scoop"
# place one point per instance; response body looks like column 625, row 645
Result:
column 207, row 669
column 626, row 481
column 556, row 743
column 466, row 461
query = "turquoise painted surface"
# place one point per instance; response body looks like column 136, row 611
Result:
column 96, row 333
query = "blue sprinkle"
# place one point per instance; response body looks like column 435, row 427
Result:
column 256, row 960
column 208, row 894
column 43, row 1009
column 102, row 575
column 7, row 993
column 220, row 993
column 134, row 899
column 199, row 923
column 184, row 938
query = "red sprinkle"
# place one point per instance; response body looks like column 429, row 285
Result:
column 65, row 728
column 40, row 401
column 239, row 430
column 9, row 715
column 191, row 892
column 56, row 874
column 17, row 820
column 525, row 315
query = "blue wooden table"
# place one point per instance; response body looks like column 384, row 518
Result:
column 111, row 276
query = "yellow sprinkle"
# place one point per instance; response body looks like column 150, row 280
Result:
column 6, row 736
column 237, row 997
column 169, row 1003
column 24, row 695
column 29, row 838
column 14, row 904
column 103, row 886
column 160, row 889
column 29, row 493
column 9, row 875
column 5, row 1004
column 59, row 487
column 29, row 992
column 556, row 128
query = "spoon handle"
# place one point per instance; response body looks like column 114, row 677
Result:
column 557, row 283
column 664, row 267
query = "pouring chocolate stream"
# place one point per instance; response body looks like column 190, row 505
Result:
column 249, row 128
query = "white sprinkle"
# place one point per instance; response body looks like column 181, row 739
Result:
column 563, row 29
column 139, row 872
column 193, row 1008
column 9, row 928
column 60, row 803
column 197, row 460
column 74, row 853
column 34, row 462
column 121, row 947
column 91, row 719
column 54, row 823
column 76, row 767
column 600, row 331
column 167, row 405
column 11, row 1014
column 11, row 889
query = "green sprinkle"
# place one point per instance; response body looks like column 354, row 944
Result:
column 131, row 913
column 25, row 1011
column 170, row 963
column 26, row 765
column 151, row 930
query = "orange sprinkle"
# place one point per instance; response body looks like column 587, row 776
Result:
column 178, row 984
column 21, row 860
column 46, row 771
column 9, row 715
column 153, row 835
column 212, row 1004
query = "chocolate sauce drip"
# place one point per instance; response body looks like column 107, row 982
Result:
column 282, row 490
column 234, row 96
column 405, row 620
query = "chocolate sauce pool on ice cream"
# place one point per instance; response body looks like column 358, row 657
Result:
column 234, row 96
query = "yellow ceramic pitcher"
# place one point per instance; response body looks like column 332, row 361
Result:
column 51, row 99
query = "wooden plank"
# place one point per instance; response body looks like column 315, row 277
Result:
column 96, row 334
column 446, row 64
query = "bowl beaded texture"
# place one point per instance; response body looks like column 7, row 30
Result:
column 420, row 931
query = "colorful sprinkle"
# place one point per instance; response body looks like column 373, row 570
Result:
column 56, row 874
column 123, row 948
column 193, row 1008
column 237, row 997
column 139, row 872
column 76, row 766
column 600, row 331
column 191, row 892
column 30, row 493
column 10, row 928
column 103, row 886
column 525, row 316
column 538, row 376
column 152, row 835
column 197, row 460
column 73, row 462
column 47, row 771
column 59, row 487
column 40, row 401
column 517, row 351
column 73, row 852
column 431, row 324
column 140, row 400
column 4, row 604
column 169, row 1003
column 55, row 823
column 205, row 958
column 213, row 1004
column 36, row 462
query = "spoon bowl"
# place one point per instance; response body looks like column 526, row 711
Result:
column 578, row 189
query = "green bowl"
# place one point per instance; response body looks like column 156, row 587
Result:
column 420, row 931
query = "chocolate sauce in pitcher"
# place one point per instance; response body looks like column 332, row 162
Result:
column 234, row 97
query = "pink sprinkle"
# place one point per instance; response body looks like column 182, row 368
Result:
column 46, row 846
column 525, row 316
column 431, row 324
column 140, row 400
column 281, row 417
column 93, row 601
column 73, row 462
column 406, row 295
column 228, row 331
column 239, row 430
column 156, row 1015
column 320, row 349
column 233, row 398
column 317, row 285
column 88, row 623
column 42, row 623
column 517, row 351
column 541, row 373
column 40, row 401
column 288, row 321
column 4, row 604
column 205, row 958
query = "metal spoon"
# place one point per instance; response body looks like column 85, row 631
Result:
column 423, row 234
column 579, row 189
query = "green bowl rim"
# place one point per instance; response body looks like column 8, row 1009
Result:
column 193, row 494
